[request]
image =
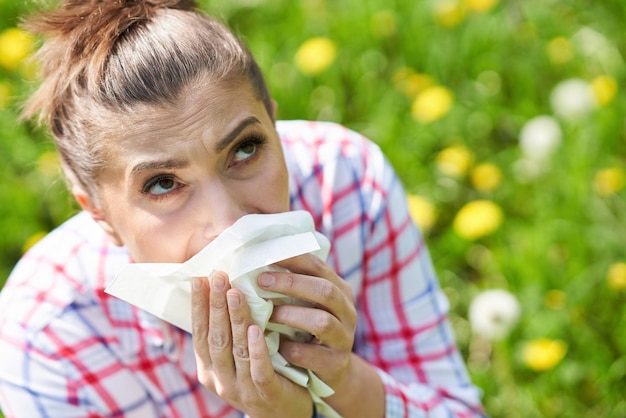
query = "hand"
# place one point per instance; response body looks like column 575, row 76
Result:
column 332, row 319
column 232, row 357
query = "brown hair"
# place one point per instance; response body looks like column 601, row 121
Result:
column 101, row 58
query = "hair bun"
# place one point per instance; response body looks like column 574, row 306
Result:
column 95, row 25
column 80, row 37
column 88, row 30
column 124, row 4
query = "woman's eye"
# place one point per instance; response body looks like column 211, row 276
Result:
column 245, row 151
column 160, row 185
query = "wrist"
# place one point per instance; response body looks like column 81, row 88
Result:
column 361, row 393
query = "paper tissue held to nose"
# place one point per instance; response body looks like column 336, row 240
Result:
column 249, row 247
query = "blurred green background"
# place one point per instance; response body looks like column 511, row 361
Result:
column 505, row 121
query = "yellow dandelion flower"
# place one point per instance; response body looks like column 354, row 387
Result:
column 477, row 219
column 543, row 353
column 15, row 46
column 409, row 82
column 431, row 104
column 616, row 276
column 454, row 161
column 384, row 24
column 315, row 55
column 48, row 164
column 422, row 211
column 560, row 50
column 486, row 176
column 555, row 299
column 416, row 83
column 401, row 74
column 480, row 5
column 609, row 181
column 449, row 13
column 604, row 88
column 5, row 95
column 32, row 240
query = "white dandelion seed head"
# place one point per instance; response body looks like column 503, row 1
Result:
column 572, row 98
column 540, row 137
column 598, row 49
column 493, row 314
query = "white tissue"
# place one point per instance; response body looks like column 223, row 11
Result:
column 250, row 246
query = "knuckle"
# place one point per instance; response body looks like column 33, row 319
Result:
column 217, row 303
column 323, row 323
column 294, row 352
column 262, row 381
column 237, row 319
column 217, row 341
column 328, row 291
column 198, row 335
column 289, row 281
column 224, row 392
column 240, row 353
column 347, row 289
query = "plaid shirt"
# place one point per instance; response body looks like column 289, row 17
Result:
column 70, row 350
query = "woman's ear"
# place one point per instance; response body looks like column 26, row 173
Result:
column 98, row 215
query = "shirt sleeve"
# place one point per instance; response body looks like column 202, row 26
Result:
column 403, row 314
column 66, row 370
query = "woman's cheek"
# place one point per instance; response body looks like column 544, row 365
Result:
column 164, row 244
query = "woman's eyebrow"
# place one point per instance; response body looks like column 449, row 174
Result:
column 219, row 147
column 232, row 135
column 160, row 165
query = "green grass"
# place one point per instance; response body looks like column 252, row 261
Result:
column 558, row 233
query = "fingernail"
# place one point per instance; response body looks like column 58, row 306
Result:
column 266, row 280
column 218, row 282
column 233, row 299
column 196, row 283
column 253, row 333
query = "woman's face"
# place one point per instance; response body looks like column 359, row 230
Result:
column 179, row 175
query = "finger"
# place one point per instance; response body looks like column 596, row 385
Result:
column 200, row 320
column 322, row 293
column 325, row 327
column 219, row 337
column 261, row 369
column 311, row 265
column 240, row 320
column 323, row 361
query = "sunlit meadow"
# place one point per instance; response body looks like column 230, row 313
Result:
column 505, row 121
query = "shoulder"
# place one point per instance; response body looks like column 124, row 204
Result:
column 315, row 135
column 73, row 261
column 311, row 145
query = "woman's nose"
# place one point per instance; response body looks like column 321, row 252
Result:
column 222, row 208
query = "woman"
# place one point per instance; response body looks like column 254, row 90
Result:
column 167, row 134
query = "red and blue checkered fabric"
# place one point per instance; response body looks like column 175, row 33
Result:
column 67, row 349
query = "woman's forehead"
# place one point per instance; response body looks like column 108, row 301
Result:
column 203, row 122
column 201, row 107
